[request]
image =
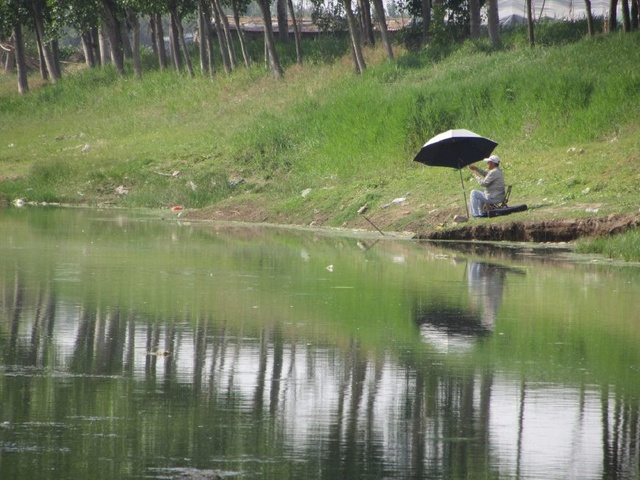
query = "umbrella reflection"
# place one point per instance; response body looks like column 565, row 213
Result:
column 457, row 328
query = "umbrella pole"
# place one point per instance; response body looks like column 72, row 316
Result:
column 464, row 193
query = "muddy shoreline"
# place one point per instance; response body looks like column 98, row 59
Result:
column 543, row 231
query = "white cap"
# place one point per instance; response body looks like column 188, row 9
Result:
column 494, row 159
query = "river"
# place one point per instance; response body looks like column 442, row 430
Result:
column 140, row 347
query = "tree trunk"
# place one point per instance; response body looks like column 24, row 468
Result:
column 626, row 16
column 296, row 32
column 159, row 36
column 382, row 21
column 426, row 21
column 55, row 51
column 202, row 39
column 208, row 31
column 532, row 41
column 613, row 15
column 21, row 63
column 222, row 38
column 185, row 48
column 87, row 48
column 127, row 49
column 359, row 64
column 227, row 35
column 283, row 21
column 634, row 14
column 38, row 17
column 590, row 26
column 114, row 33
column 174, row 42
column 474, row 19
column 243, row 45
column 366, row 26
column 44, row 73
column 134, row 25
column 270, row 44
column 493, row 22
column 103, row 45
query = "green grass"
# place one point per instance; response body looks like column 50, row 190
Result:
column 625, row 246
column 565, row 116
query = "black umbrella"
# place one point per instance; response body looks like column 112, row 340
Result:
column 455, row 149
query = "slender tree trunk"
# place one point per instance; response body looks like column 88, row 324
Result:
column 44, row 73
column 202, row 39
column 134, row 25
column 105, row 48
column 634, row 14
column 626, row 16
column 222, row 38
column 206, row 12
column 532, row 41
column 89, row 58
column 185, row 48
column 159, row 35
column 127, row 49
column 115, row 35
column 55, row 51
column 384, row 33
column 613, row 15
column 360, row 65
column 38, row 16
column 270, row 44
column 590, row 26
column 174, row 36
column 426, row 21
column 474, row 19
column 243, row 45
column 94, row 43
column 493, row 22
column 227, row 35
column 21, row 63
column 366, row 25
column 296, row 32
column 283, row 21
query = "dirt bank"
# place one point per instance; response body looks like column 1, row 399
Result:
column 555, row 230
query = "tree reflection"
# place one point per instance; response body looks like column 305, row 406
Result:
column 213, row 390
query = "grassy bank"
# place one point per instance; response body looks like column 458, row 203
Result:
column 566, row 117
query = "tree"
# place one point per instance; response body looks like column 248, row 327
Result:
column 270, row 44
column 283, row 21
column 530, row 23
column 38, row 11
column 366, row 25
column 354, row 34
column 474, row 19
column 237, row 7
column 13, row 15
column 493, row 22
column 382, row 22
column 21, row 63
column 222, row 37
column 590, row 26
column 111, row 19
column 296, row 33
column 613, row 15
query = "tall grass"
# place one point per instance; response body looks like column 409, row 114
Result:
column 349, row 138
column 625, row 246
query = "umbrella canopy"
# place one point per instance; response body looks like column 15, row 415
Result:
column 455, row 149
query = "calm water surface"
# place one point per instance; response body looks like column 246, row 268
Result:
column 145, row 348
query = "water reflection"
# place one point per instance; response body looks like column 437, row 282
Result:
column 256, row 361
column 456, row 328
